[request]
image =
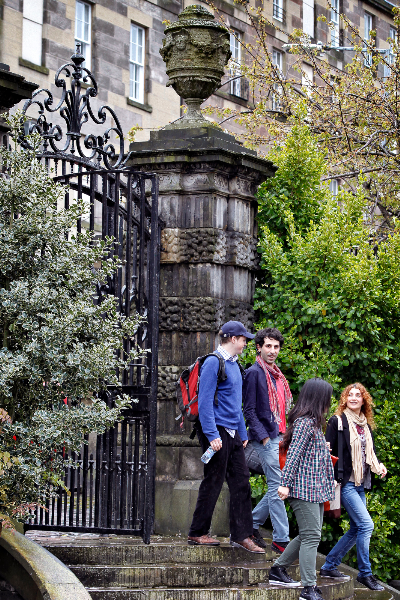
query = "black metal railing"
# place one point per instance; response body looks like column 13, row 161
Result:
column 111, row 481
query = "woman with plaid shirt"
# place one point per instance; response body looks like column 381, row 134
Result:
column 308, row 482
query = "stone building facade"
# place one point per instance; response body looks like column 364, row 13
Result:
column 122, row 38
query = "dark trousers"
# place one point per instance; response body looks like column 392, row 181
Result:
column 228, row 463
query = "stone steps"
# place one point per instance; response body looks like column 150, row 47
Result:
column 123, row 568
column 128, row 551
column 343, row 591
column 174, row 576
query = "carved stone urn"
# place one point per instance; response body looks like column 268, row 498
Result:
column 196, row 49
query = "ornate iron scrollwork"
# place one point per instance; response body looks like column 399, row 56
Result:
column 76, row 110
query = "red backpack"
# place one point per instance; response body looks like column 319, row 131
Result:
column 187, row 387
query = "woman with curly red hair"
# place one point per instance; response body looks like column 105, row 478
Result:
column 359, row 460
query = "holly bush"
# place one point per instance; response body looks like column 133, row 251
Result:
column 58, row 340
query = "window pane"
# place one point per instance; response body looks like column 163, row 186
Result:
column 137, row 45
column 82, row 22
column 136, row 88
column 235, row 46
column 368, row 26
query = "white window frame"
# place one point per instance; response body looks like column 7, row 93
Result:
column 368, row 27
column 137, row 49
column 84, row 38
column 236, row 58
column 277, row 10
column 277, row 60
column 308, row 17
column 390, row 55
column 307, row 77
column 335, row 21
column 32, row 29
column 334, row 187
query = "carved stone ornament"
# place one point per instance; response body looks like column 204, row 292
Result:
column 196, row 49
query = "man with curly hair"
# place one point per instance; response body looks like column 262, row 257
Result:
column 266, row 401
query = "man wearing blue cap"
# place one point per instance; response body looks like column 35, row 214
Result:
column 223, row 429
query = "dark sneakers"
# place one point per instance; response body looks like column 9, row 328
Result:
column 279, row 576
column 333, row 573
column 311, row 592
column 370, row 582
column 258, row 539
column 279, row 547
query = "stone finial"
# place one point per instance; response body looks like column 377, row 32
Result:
column 196, row 49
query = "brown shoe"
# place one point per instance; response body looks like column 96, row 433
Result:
column 203, row 540
column 248, row 545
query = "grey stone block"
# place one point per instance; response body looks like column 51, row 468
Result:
column 100, row 26
column 202, row 314
column 59, row 21
column 175, row 504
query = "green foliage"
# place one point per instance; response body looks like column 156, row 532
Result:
column 335, row 297
column 296, row 185
column 56, row 341
column 259, row 488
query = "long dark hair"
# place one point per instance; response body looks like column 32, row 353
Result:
column 314, row 400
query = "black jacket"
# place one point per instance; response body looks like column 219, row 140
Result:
column 331, row 436
column 257, row 411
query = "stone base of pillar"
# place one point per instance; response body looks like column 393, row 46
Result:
column 175, row 504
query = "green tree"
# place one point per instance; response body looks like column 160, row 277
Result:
column 353, row 112
column 332, row 292
column 335, row 295
column 57, row 342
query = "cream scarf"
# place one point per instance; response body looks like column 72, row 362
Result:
column 355, row 443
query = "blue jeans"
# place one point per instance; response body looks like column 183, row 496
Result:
column 361, row 528
column 271, row 505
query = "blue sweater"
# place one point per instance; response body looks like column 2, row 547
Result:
column 228, row 413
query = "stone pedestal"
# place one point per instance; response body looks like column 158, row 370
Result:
column 208, row 261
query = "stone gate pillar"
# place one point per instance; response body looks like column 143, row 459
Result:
column 208, row 259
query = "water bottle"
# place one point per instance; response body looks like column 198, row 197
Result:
column 208, row 454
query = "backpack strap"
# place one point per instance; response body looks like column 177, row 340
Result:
column 222, row 376
column 242, row 370
column 340, row 449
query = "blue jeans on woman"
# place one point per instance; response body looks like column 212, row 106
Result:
column 361, row 528
column 271, row 505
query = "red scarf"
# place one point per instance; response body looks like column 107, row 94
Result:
column 276, row 373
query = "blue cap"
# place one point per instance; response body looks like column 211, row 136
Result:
column 235, row 328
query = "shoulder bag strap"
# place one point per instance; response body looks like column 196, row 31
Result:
column 340, row 449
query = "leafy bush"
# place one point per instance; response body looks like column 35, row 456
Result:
column 336, row 298
column 57, row 341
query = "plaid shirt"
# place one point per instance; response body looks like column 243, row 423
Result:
column 308, row 471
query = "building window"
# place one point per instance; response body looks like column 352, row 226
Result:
column 83, row 20
column 368, row 27
column 335, row 39
column 308, row 17
column 307, row 77
column 136, row 77
column 32, row 25
column 334, row 187
column 277, row 59
column 277, row 10
column 236, row 58
column 390, row 56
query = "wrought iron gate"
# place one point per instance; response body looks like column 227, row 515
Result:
column 112, row 486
